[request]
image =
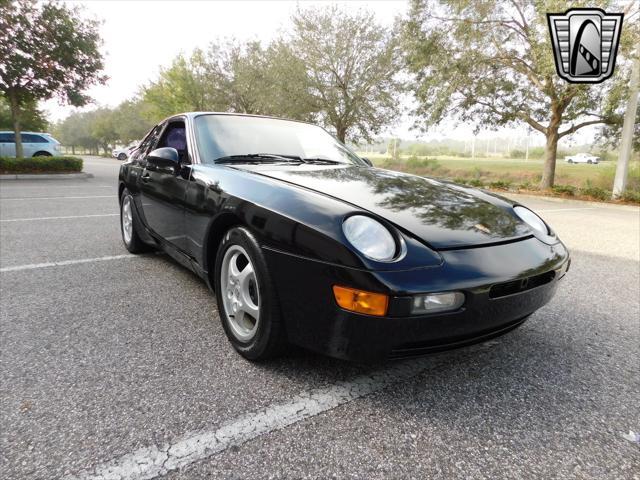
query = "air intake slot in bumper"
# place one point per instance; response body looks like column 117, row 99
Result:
column 521, row 285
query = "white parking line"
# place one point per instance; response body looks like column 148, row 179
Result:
column 56, row 198
column 154, row 461
column 34, row 266
column 59, row 218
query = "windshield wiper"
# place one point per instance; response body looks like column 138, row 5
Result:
column 260, row 157
column 325, row 161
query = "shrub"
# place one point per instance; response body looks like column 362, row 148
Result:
column 564, row 190
column 590, row 190
column 631, row 196
column 477, row 173
column 40, row 165
column 414, row 163
column 500, row 184
column 475, row 182
column 526, row 186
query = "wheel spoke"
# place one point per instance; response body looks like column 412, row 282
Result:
column 233, row 266
column 251, row 309
column 246, row 275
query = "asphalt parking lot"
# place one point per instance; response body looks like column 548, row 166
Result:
column 116, row 366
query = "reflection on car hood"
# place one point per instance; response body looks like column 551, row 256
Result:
column 441, row 214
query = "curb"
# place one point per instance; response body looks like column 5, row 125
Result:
column 46, row 176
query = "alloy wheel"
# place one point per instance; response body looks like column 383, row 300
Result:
column 240, row 293
column 127, row 219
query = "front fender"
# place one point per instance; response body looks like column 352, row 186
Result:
column 284, row 217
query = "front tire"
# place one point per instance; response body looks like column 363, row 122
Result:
column 130, row 236
column 122, row 156
column 247, row 302
column 42, row 154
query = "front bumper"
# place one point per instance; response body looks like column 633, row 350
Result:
column 502, row 285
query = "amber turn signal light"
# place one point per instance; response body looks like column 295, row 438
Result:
column 361, row 301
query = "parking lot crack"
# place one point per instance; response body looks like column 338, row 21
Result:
column 152, row 462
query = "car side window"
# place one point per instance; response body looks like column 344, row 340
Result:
column 7, row 138
column 174, row 136
column 149, row 141
column 31, row 138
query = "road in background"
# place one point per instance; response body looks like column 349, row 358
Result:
column 109, row 356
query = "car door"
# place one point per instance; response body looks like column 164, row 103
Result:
column 4, row 138
column 29, row 145
column 7, row 145
column 163, row 190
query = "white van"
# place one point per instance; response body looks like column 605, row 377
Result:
column 34, row 144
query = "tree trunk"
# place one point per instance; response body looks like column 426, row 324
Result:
column 622, row 169
column 341, row 133
column 15, row 118
column 550, row 150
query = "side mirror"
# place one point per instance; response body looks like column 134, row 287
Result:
column 367, row 161
column 164, row 158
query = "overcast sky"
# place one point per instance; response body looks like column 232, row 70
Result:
column 142, row 36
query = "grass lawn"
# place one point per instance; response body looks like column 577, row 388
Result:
column 507, row 173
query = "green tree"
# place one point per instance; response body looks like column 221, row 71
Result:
column 491, row 63
column 32, row 118
column 185, row 86
column 351, row 66
column 237, row 74
column 103, row 128
column 393, row 148
column 130, row 121
column 617, row 97
column 46, row 50
column 75, row 131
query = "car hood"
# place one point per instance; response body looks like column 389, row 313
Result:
column 442, row 215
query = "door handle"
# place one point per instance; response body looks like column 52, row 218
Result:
column 146, row 178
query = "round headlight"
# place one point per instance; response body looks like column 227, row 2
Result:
column 370, row 237
column 531, row 219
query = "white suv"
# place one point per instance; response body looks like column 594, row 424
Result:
column 124, row 152
column 582, row 158
column 34, row 144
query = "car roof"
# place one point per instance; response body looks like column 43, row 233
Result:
column 193, row 115
column 31, row 133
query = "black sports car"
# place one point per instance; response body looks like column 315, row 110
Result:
column 306, row 243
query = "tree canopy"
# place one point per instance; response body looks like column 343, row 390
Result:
column 336, row 67
column 33, row 119
column 491, row 63
column 46, row 50
column 351, row 66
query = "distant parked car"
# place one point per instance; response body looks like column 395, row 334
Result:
column 582, row 158
column 124, row 152
column 34, row 144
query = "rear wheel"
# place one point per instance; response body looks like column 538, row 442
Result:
column 570, row 161
column 247, row 301
column 130, row 237
column 122, row 156
column 590, row 161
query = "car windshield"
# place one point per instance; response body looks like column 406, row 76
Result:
column 263, row 139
